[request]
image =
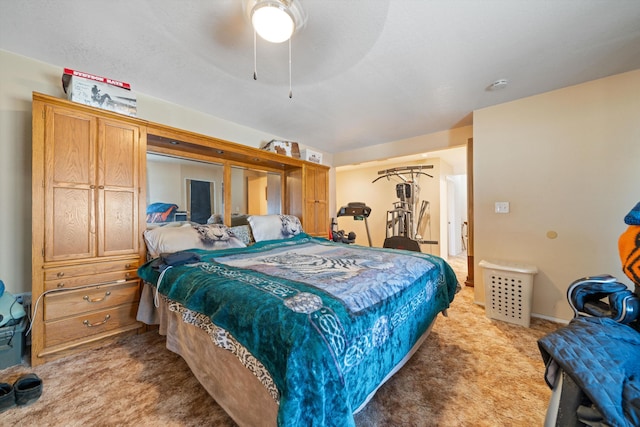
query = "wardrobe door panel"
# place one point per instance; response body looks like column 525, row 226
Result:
column 69, row 182
column 70, row 231
column 118, row 234
column 118, row 188
column 69, row 146
column 118, row 163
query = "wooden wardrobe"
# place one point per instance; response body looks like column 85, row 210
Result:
column 88, row 214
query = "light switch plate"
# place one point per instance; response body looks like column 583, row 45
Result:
column 502, row 207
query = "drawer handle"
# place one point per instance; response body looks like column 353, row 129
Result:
column 87, row 299
column 127, row 266
column 60, row 285
column 91, row 325
column 60, row 274
column 127, row 275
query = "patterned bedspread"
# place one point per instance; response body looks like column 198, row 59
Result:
column 328, row 321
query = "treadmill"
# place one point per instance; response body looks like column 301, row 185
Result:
column 359, row 211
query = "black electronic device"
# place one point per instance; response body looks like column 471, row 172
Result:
column 359, row 211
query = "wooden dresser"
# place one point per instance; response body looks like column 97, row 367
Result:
column 88, row 218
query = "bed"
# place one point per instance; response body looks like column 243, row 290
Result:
column 294, row 330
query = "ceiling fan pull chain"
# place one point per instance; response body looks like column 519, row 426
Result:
column 290, row 90
column 255, row 67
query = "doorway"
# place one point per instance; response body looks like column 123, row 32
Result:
column 354, row 183
column 200, row 200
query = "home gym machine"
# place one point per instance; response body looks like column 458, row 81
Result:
column 359, row 211
column 401, row 229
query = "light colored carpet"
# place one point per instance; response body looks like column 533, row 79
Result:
column 471, row 371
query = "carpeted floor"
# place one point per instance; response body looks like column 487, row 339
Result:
column 471, row 371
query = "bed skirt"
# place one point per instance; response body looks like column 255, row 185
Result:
column 234, row 387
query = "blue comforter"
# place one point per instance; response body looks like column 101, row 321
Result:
column 603, row 359
column 329, row 321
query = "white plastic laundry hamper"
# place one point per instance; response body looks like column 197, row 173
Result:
column 508, row 289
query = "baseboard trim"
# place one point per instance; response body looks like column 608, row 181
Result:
column 539, row 316
column 551, row 319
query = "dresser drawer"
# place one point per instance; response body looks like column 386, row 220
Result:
column 74, row 302
column 93, row 323
column 94, row 279
column 90, row 269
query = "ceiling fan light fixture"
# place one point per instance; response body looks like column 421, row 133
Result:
column 273, row 21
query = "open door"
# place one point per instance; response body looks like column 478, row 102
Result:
column 470, row 262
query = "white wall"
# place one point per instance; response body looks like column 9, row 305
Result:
column 458, row 184
column 443, row 213
column 164, row 183
column 568, row 161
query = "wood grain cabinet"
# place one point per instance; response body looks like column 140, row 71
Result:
column 88, row 202
column 315, row 182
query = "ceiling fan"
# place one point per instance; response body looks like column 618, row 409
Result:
column 275, row 21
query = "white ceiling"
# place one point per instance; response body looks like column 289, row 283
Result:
column 365, row 72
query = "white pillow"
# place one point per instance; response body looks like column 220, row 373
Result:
column 272, row 227
column 173, row 238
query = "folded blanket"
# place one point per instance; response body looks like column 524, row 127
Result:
column 603, row 359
